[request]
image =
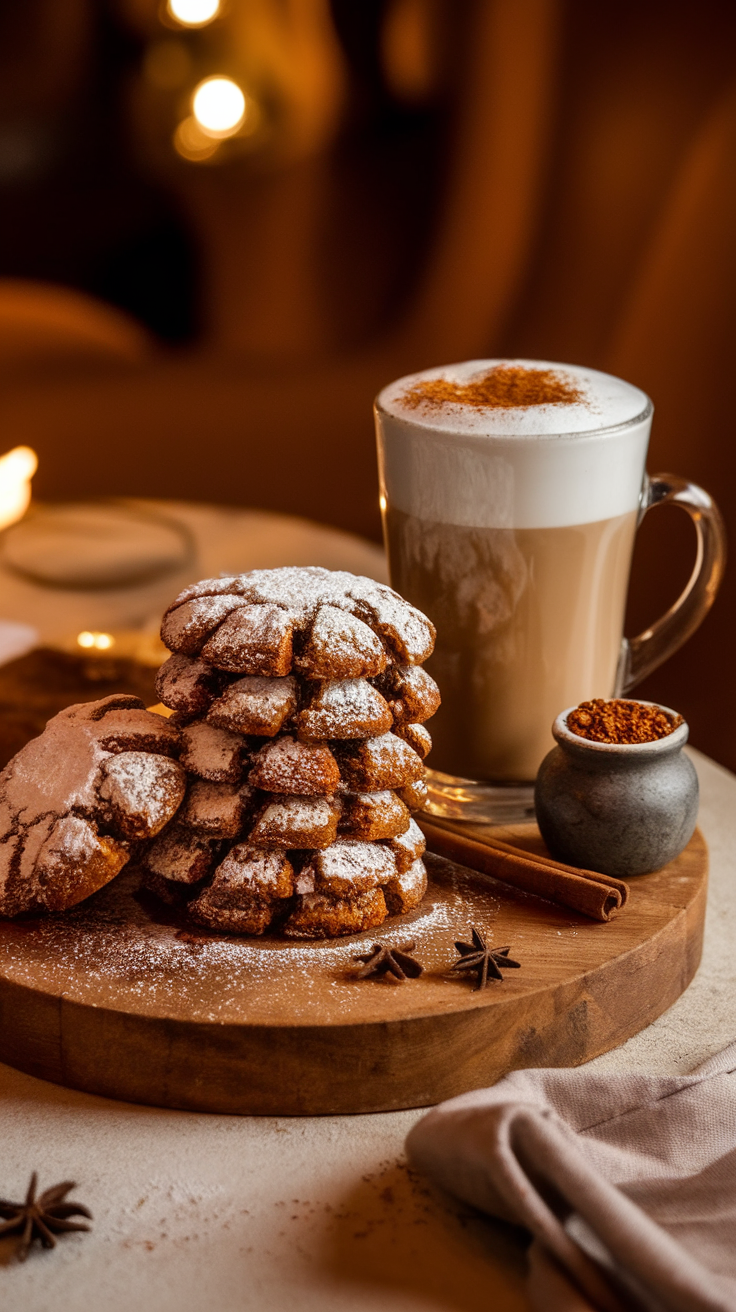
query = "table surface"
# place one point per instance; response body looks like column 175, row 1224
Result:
column 225, row 541
column 312, row 1214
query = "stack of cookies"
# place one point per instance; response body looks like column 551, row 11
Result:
column 300, row 699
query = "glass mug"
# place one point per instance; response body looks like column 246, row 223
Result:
column 511, row 492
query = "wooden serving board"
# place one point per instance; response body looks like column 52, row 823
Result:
column 112, row 999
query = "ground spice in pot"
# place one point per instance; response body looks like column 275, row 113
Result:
column 621, row 721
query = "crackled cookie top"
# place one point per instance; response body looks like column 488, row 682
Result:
column 325, row 624
column 100, row 776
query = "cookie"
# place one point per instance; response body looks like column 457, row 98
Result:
column 123, row 728
column 417, row 736
column 339, row 646
column 246, row 891
column 347, row 868
column 408, row 847
column 181, row 855
column 319, row 915
column 188, row 685
column 139, row 793
column 212, row 753
column 296, row 822
column 373, row 816
column 383, row 762
column 255, row 705
column 253, row 640
column 288, row 766
column 411, row 693
column 217, row 810
column 414, row 796
column 186, row 628
column 346, row 708
column 100, row 777
column 405, row 891
column 379, row 624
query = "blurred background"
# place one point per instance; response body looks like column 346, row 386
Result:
column 224, row 226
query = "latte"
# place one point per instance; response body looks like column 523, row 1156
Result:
column 528, row 621
column 511, row 494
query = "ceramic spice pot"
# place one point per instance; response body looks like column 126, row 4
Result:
column 621, row 808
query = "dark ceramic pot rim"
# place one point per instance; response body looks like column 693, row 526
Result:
column 657, row 747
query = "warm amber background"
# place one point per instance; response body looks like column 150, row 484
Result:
column 441, row 179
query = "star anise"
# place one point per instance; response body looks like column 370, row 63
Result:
column 42, row 1217
column 394, row 962
column 486, row 962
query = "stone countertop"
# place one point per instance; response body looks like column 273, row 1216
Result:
column 311, row 1214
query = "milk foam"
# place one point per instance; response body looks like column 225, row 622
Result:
column 523, row 467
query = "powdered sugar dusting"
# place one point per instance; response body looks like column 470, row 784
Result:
column 288, row 766
column 297, row 822
column 351, row 866
column 255, row 705
column 345, row 708
column 187, row 627
column 299, row 810
column 302, row 592
column 109, row 952
column 144, row 791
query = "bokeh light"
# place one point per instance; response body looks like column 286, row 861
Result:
column 193, row 13
column 219, row 106
column 17, row 468
column 94, row 641
column 192, row 143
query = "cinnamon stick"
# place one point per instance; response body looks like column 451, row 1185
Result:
column 587, row 891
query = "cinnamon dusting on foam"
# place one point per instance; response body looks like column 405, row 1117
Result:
column 504, row 387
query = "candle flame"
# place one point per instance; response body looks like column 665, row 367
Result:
column 17, row 468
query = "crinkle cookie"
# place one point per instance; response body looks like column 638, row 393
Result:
column 188, row 686
column 406, row 890
column 216, row 810
column 177, row 861
column 254, row 705
column 345, row 708
column 324, row 624
column 248, row 889
column 411, row 693
column 73, row 801
column 414, row 796
column 287, row 766
column 417, row 736
column 320, row 915
column 408, row 847
column 373, row 816
column 347, row 868
column 214, row 754
column 296, row 822
column 377, row 763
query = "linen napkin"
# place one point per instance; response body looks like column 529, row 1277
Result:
column 626, row 1182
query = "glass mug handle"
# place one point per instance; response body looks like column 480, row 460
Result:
column 642, row 654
